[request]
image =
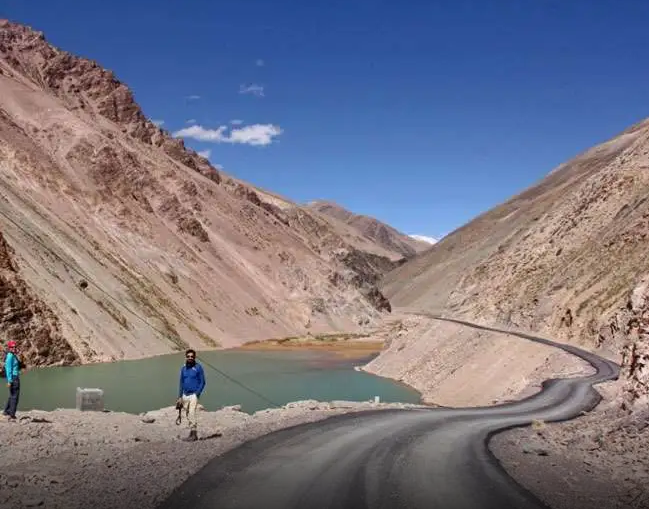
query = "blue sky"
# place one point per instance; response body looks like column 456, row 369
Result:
column 422, row 113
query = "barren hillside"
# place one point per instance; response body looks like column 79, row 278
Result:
column 566, row 258
column 399, row 244
column 559, row 257
column 120, row 242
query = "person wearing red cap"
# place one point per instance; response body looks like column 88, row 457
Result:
column 12, row 373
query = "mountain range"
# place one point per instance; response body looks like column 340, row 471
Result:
column 118, row 241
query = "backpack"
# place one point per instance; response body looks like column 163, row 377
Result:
column 3, row 373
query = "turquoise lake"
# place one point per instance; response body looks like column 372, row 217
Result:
column 148, row 384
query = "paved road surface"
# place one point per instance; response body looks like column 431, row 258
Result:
column 389, row 459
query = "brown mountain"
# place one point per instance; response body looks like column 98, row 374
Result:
column 397, row 243
column 566, row 257
column 120, row 242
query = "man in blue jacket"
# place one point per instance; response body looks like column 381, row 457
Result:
column 12, row 374
column 192, row 383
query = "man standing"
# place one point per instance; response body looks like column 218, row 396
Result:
column 192, row 383
column 12, row 373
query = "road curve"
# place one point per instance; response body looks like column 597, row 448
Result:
column 390, row 459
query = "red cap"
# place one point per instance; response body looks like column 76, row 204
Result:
column 11, row 344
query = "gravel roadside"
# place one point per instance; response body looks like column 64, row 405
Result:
column 71, row 459
column 600, row 459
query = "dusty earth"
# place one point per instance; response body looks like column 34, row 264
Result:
column 455, row 365
column 598, row 460
column 68, row 459
column 342, row 345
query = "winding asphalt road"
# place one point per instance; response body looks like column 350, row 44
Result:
column 390, row 459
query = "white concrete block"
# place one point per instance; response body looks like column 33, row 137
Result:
column 90, row 399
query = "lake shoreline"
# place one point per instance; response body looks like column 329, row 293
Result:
column 343, row 345
column 256, row 377
column 338, row 343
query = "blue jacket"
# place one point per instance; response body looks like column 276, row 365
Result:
column 12, row 367
column 192, row 380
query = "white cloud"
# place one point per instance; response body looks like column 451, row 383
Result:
column 236, row 121
column 253, row 89
column 425, row 238
column 205, row 153
column 259, row 63
column 158, row 122
column 193, row 97
column 199, row 133
column 256, row 134
column 191, row 121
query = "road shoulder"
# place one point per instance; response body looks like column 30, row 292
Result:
column 598, row 460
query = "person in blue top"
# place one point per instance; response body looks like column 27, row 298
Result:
column 12, row 374
column 190, row 388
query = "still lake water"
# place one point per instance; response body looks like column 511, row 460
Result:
column 148, row 384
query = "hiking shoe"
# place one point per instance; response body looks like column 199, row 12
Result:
column 193, row 436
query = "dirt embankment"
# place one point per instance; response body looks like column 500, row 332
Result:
column 355, row 346
column 456, row 365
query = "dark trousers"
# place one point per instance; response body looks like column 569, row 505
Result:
column 12, row 401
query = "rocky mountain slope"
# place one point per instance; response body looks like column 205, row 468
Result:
column 400, row 244
column 121, row 242
column 566, row 257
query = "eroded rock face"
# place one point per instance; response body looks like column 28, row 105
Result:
column 28, row 320
column 633, row 324
column 636, row 372
column 86, row 86
column 379, row 232
column 365, row 272
column 377, row 299
column 629, row 328
column 108, row 191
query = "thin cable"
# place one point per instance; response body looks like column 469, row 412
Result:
column 272, row 403
column 144, row 320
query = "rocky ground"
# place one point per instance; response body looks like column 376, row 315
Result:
column 601, row 458
column 598, row 460
column 68, row 459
